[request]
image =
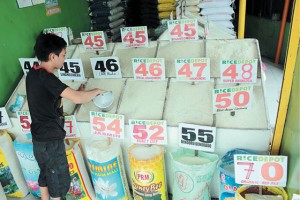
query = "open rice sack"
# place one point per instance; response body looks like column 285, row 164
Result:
column 268, row 193
column 192, row 174
column 2, row 194
column 107, row 169
column 30, row 168
column 11, row 177
column 81, row 186
column 147, row 172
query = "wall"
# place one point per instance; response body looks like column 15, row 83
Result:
column 19, row 28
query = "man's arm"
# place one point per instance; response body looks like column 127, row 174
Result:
column 80, row 96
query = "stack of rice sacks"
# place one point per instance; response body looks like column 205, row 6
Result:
column 107, row 16
column 188, row 5
column 165, row 8
column 11, row 177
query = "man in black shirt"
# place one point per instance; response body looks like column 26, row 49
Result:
column 44, row 94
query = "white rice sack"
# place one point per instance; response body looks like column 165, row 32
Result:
column 192, row 8
column 218, row 17
column 217, row 11
column 2, row 194
column 214, row 4
column 30, row 168
column 190, row 2
column 226, row 24
column 107, row 169
column 81, row 186
column 11, row 176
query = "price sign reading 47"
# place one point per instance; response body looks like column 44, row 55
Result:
column 93, row 40
column 106, row 67
column 184, row 29
column 197, row 137
column 71, row 70
column 24, row 120
column 148, row 131
column 260, row 170
column 232, row 99
column 106, row 124
column 238, row 71
column 193, row 69
column 149, row 69
column 134, row 36
column 71, row 127
column 28, row 63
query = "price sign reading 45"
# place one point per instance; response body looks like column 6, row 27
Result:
column 72, row 70
column 4, row 119
column 193, row 69
column 232, row 99
column 24, row 120
column 93, row 40
column 106, row 67
column 134, row 36
column 184, row 29
column 148, row 131
column 71, row 127
column 61, row 32
column 149, row 69
column 106, row 124
column 260, row 170
column 197, row 137
column 238, row 71
column 28, row 63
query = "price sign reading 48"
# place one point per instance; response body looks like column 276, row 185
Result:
column 149, row 69
column 72, row 70
column 193, row 69
column 148, row 131
column 24, row 120
column 260, row 170
column 184, row 29
column 232, row 99
column 106, row 124
column 134, row 36
column 106, row 67
column 197, row 137
column 93, row 40
column 238, row 71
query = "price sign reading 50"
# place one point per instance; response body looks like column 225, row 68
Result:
column 106, row 124
column 134, row 36
column 197, row 137
column 193, row 69
column 24, row 120
column 260, row 170
column 93, row 40
column 232, row 99
column 148, row 131
column 148, row 69
column 184, row 29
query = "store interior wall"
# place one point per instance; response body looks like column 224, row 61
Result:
column 19, row 28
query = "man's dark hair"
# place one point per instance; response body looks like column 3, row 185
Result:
column 48, row 43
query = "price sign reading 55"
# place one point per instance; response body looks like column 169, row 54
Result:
column 134, row 36
column 148, row 131
column 149, row 69
column 193, row 69
column 71, row 70
column 24, row 120
column 106, row 124
column 197, row 137
column 93, row 40
column 184, row 29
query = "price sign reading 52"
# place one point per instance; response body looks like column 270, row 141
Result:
column 148, row 131
column 184, row 29
column 149, row 69
column 93, row 40
column 134, row 36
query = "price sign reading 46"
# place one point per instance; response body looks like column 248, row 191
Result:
column 28, row 63
column 24, row 120
column 148, row 131
column 260, row 170
column 4, row 119
column 93, row 40
column 232, row 99
column 149, row 69
column 134, row 36
column 72, row 70
column 106, row 124
column 238, row 71
column 193, row 69
column 184, row 29
column 71, row 127
column 106, row 67
column 197, row 137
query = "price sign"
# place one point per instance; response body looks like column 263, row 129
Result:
column 192, row 69
column 296, row 197
column 232, row 99
column 238, row 71
column 93, row 40
column 148, row 69
column 148, row 131
column 71, row 127
column 183, row 29
column 106, row 67
column 24, row 119
column 61, row 32
column 260, row 170
column 134, row 36
column 197, row 137
column 4, row 119
column 28, row 63
column 106, row 124
column 71, row 70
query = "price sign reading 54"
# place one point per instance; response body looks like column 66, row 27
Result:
column 134, row 36
column 184, row 29
column 197, row 137
column 106, row 124
column 93, row 40
column 25, row 121
column 149, row 69
column 71, row 70
column 193, row 69
column 148, row 131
